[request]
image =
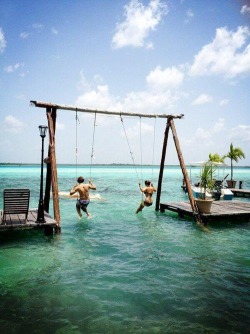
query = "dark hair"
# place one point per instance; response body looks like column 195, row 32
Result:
column 80, row 179
column 147, row 183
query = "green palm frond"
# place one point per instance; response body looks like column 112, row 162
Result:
column 234, row 154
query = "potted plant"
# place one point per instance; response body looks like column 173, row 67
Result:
column 206, row 185
column 234, row 154
column 218, row 161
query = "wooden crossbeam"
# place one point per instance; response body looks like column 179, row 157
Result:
column 40, row 104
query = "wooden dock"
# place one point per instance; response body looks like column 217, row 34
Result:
column 240, row 192
column 220, row 210
column 17, row 221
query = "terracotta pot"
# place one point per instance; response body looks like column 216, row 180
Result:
column 204, row 205
column 231, row 183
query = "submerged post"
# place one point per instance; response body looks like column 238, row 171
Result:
column 164, row 148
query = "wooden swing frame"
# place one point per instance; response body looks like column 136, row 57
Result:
column 51, row 175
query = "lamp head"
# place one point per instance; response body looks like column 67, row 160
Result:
column 43, row 129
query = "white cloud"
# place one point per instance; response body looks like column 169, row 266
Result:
column 13, row 125
column 13, row 68
column 54, row 31
column 189, row 16
column 205, row 136
column 98, row 96
column 139, row 128
column 139, row 21
column 226, row 54
column 83, row 84
column 218, row 126
column 245, row 10
column 162, row 79
column 150, row 46
column 23, row 74
column 201, row 134
column 149, row 102
column 223, row 102
column 241, row 133
column 3, row 42
column 24, row 35
column 202, row 99
column 60, row 126
column 37, row 26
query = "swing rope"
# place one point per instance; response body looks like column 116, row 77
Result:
column 141, row 148
column 92, row 150
column 77, row 121
column 153, row 154
column 131, row 153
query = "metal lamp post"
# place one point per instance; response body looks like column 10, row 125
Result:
column 40, row 212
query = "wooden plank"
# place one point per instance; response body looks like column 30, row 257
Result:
column 219, row 209
column 240, row 192
column 40, row 104
column 17, row 222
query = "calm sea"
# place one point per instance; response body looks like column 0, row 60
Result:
column 119, row 272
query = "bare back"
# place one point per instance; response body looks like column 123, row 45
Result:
column 148, row 192
column 83, row 190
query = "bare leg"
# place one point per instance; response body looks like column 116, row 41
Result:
column 86, row 211
column 79, row 212
column 141, row 206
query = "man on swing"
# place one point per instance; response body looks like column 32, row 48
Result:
column 83, row 191
column 148, row 191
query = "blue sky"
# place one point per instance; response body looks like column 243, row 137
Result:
column 166, row 57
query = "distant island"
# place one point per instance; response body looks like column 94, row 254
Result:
column 98, row 165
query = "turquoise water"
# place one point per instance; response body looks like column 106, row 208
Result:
column 120, row 272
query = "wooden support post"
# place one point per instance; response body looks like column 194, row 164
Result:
column 48, row 175
column 47, row 186
column 48, row 230
column 164, row 148
column 51, row 116
column 184, row 171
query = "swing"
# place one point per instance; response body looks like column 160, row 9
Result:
column 97, row 196
column 92, row 149
column 131, row 153
column 148, row 195
column 51, row 110
column 65, row 193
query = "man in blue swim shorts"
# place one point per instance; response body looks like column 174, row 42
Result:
column 83, row 191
